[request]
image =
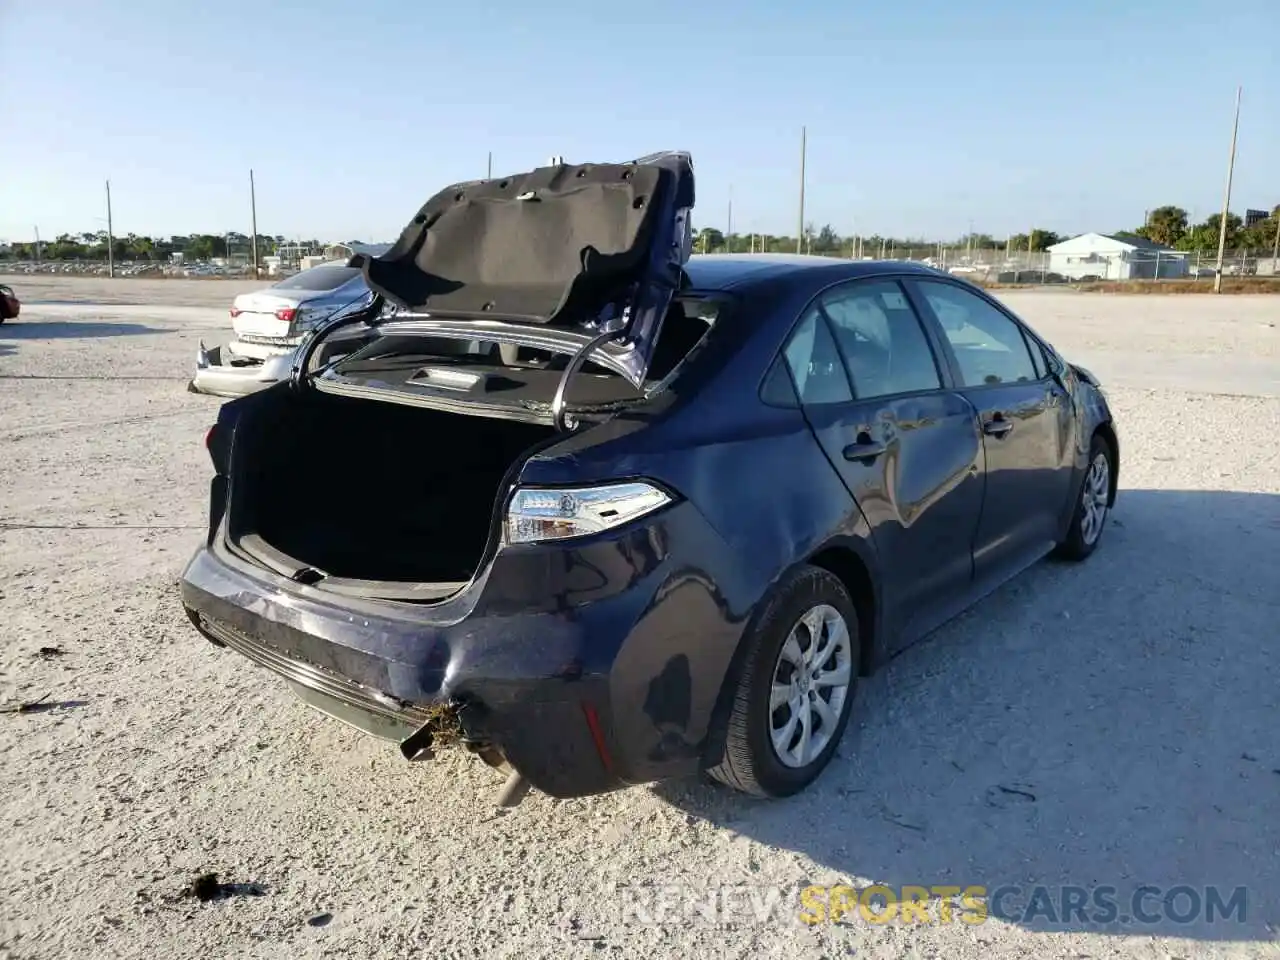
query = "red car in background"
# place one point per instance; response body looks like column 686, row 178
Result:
column 9, row 304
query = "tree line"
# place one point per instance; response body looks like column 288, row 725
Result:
column 825, row 241
column 1166, row 225
column 93, row 246
column 1170, row 226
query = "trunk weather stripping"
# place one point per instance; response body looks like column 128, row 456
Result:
column 621, row 358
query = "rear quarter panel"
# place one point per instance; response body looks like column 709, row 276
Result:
column 769, row 498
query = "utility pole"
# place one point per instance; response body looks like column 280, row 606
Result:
column 1226, row 200
column 1275, row 248
column 253, row 213
column 111, row 257
column 728, row 229
column 489, row 174
column 37, row 246
column 800, row 222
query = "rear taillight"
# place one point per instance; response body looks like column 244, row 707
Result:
column 235, row 312
column 286, row 314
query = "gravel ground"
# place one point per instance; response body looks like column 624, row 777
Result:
column 1105, row 724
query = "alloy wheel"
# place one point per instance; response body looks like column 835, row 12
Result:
column 811, row 680
column 1094, row 497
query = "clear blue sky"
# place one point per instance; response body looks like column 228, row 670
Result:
column 922, row 115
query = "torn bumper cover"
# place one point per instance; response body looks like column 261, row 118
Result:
column 245, row 366
column 535, row 707
column 234, row 371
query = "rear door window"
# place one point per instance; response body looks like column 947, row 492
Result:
column 814, row 362
column 881, row 339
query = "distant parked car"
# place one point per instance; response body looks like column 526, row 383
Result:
column 270, row 324
column 10, row 306
column 608, row 513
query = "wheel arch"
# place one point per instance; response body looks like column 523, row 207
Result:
column 852, row 561
column 847, row 564
column 1107, row 432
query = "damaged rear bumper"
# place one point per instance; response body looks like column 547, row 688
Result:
column 583, row 667
column 225, row 372
column 535, row 714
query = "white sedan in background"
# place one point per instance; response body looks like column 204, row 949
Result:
column 270, row 324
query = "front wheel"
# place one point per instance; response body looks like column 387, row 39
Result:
column 795, row 690
column 1093, row 505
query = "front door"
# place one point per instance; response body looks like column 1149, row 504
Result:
column 1018, row 405
column 907, row 449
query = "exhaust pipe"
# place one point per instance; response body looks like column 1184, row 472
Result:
column 443, row 727
column 514, row 790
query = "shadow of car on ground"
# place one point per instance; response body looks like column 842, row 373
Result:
column 73, row 330
column 1105, row 725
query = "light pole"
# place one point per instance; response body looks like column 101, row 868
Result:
column 253, row 213
column 728, row 227
column 800, row 223
column 1226, row 200
column 111, row 256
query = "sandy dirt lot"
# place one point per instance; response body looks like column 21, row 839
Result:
column 1111, row 724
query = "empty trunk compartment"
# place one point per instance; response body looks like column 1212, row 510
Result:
column 368, row 490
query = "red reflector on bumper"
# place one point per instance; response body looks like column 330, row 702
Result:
column 597, row 733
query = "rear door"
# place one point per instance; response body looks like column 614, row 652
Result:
column 876, row 393
column 1019, row 406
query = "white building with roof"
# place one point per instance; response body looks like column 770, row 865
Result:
column 1115, row 257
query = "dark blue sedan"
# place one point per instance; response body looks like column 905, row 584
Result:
column 604, row 513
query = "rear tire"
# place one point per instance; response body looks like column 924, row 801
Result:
column 1093, row 504
column 795, row 690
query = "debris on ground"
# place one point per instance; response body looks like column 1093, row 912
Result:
column 319, row 920
column 208, row 887
column 41, row 705
column 30, row 707
column 1003, row 796
column 49, row 652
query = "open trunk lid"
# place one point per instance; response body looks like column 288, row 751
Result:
column 578, row 259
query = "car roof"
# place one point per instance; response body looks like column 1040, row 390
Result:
column 726, row 271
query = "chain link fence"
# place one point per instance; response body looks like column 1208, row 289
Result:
column 998, row 265
column 989, row 266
